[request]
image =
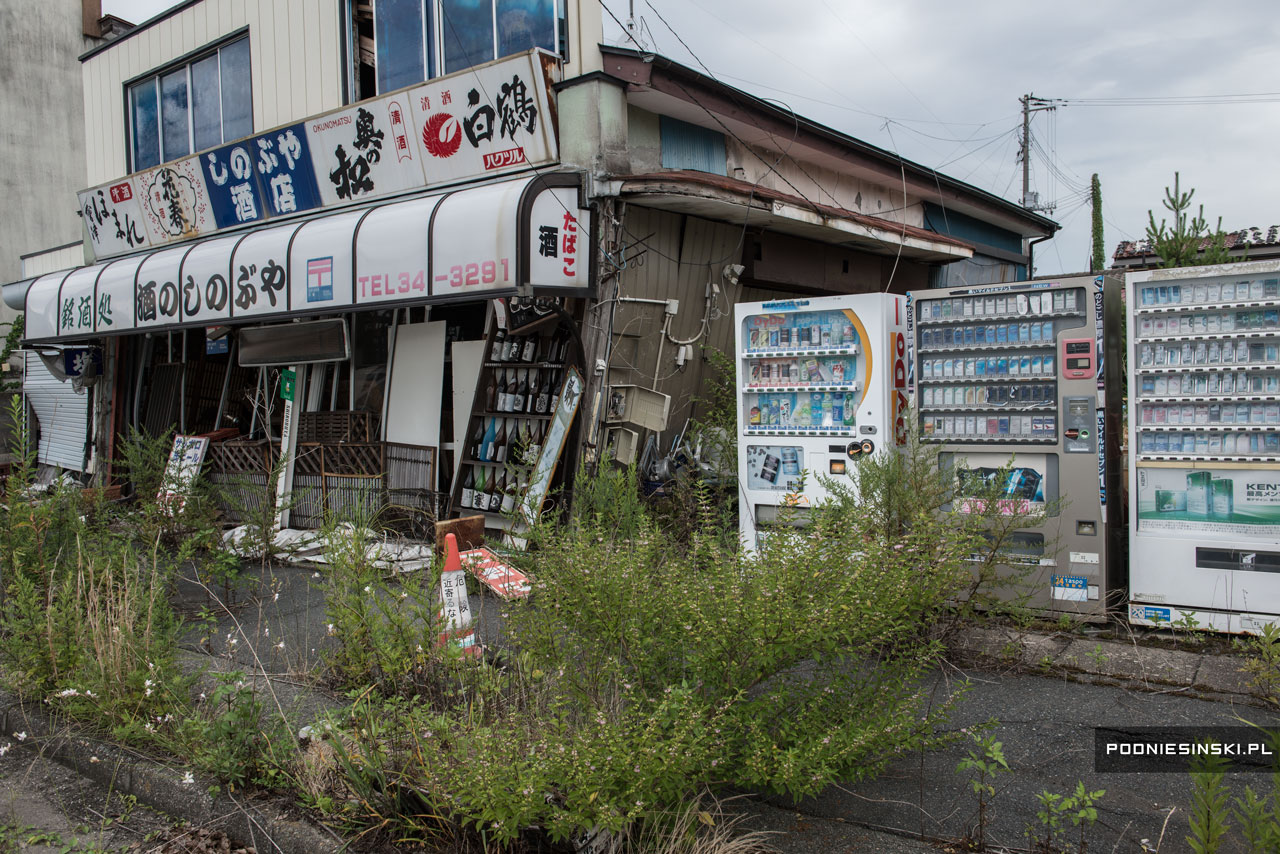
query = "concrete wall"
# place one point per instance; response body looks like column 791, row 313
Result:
column 41, row 129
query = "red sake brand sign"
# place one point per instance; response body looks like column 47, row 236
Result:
column 503, row 579
column 488, row 120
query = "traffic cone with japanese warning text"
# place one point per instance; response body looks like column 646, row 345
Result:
column 455, row 608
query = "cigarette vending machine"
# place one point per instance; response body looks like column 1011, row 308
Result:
column 822, row 384
column 1204, row 446
column 1010, row 382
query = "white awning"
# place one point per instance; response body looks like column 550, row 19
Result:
column 470, row 243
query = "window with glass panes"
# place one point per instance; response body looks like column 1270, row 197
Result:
column 416, row 40
column 190, row 107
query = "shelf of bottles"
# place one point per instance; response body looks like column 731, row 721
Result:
column 800, row 374
column 1208, row 370
column 987, row 365
column 518, row 392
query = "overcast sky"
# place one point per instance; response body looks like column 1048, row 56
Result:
column 940, row 82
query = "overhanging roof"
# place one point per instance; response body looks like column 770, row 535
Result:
column 728, row 199
column 662, row 86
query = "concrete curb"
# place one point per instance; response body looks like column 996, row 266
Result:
column 1119, row 662
column 269, row 824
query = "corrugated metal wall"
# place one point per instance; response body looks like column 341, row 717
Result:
column 295, row 67
column 680, row 256
column 63, row 416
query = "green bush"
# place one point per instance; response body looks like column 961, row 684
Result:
column 650, row 669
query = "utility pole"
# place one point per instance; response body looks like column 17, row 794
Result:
column 1031, row 104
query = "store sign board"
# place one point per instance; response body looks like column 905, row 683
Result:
column 206, row 281
column 231, row 178
column 491, row 120
column 114, row 309
column 112, row 219
column 559, row 241
column 286, row 171
column 1209, row 500
column 174, row 201
column 364, row 151
column 157, row 296
column 487, row 121
column 458, row 243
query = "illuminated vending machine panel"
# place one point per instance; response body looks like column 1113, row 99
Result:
column 1014, row 373
column 1204, row 446
column 815, row 395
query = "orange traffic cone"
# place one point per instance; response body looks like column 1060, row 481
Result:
column 452, row 559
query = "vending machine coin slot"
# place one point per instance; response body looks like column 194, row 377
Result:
column 1079, row 418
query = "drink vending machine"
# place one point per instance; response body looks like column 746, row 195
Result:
column 1204, row 446
column 822, row 383
column 1010, row 378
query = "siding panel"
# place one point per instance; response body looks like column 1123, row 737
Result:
column 294, row 73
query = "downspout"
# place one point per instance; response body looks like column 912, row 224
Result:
column 1031, row 255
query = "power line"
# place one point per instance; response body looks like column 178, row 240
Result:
column 1173, row 100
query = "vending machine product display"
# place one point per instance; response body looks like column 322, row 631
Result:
column 821, row 384
column 1010, row 380
column 1204, row 446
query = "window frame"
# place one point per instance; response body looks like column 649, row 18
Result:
column 184, row 63
column 433, row 38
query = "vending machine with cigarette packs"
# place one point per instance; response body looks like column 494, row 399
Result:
column 1011, row 381
column 1204, row 446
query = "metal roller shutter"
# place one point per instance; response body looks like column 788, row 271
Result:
column 63, row 415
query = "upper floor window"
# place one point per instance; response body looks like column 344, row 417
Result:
column 403, row 42
column 190, row 107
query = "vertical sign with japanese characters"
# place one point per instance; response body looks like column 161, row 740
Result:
column 490, row 120
column 356, row 153
column 75, row 302
column 180, row 473
column 174, row 201
column 455, row 607
column 113, row 219
column 559, row 243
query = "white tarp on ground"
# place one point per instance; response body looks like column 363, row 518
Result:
column 294, row 546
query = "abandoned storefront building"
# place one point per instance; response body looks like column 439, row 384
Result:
column 435, row 256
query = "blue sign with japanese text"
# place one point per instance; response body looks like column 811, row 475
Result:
column 232, row 180
column 268, row 175
column 285, row 170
